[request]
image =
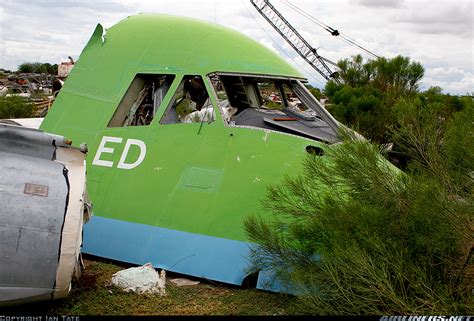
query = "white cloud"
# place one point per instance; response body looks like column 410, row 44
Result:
column 449, row 79
column 438, row 33
column 269, row 45
column 380, row 3
column 439, row 17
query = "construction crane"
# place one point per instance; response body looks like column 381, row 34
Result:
column 289, row 33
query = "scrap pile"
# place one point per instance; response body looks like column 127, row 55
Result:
column 39, row 88
column 34, row 87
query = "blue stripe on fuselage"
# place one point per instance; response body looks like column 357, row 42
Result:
column 182, row 252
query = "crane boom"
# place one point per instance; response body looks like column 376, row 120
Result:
column 289, row 33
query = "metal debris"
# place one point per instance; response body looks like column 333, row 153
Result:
column 43, row 197
column 184, row 282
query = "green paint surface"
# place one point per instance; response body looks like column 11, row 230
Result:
column 199, row 178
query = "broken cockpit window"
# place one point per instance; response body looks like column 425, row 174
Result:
column 270, row 94
column 278, row 104
column 141, row 101
column 190, row 103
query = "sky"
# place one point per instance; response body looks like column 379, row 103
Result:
column 436, row 33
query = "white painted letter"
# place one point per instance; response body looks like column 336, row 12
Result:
column 130, row 142
column 102, row 149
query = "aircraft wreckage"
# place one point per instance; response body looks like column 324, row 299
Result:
column 44, row 205
column 187, row 123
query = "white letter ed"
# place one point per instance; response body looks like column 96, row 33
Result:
column 102, row 149
column 130, row 142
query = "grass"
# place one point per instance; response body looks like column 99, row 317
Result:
column 94, row 295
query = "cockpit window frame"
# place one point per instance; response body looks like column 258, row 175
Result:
column 310, row 101
column 178, row 83
column 115, row 118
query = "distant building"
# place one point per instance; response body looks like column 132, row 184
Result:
column 64, row 68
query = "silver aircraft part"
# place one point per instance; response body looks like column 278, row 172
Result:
column 29, row 142
column 42, row 192
column 30, row 228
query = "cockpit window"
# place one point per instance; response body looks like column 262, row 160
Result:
column 270, row 94
column 141, row 101
column 277, row 104
column 190, row 103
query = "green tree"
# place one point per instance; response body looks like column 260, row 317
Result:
column 426, row 111
column 438, row 140
column 354, row 235
column 38, row 67
column 316, row 92
column 31, row 67
column 368, row 92
column 15, row 107
column 52, row 69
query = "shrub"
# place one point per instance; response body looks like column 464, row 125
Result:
column 15, row 107
column 354, row 235
column 369, row 90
